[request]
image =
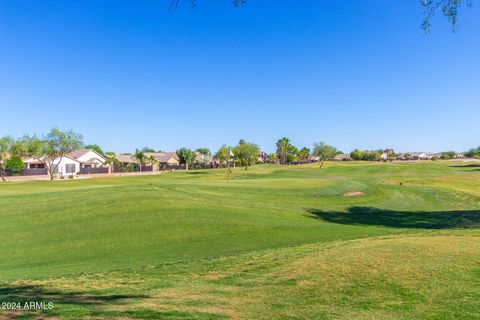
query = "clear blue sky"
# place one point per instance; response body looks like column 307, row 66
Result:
column 126, row 74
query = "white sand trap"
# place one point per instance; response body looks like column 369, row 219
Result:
column 353, row 194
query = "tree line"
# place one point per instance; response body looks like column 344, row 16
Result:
column 50, row 148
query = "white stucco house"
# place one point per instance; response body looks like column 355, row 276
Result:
column 70, row 164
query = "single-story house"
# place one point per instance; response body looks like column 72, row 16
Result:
column 416, row 156
column 126, row 159
column 421, row 156
column 70, row 164
column 263, row 157
column 88, row 158
column 343, row 157
column 165, row 159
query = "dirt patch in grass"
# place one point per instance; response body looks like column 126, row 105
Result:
column 353, row 194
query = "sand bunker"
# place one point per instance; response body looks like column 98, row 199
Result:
column 353, row 194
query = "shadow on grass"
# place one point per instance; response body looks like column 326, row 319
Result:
column 471, row 165
column 24, row 295
column 77, row 305
column 369, row 216
column 474, row 166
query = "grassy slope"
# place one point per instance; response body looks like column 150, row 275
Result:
column 415, row 277
column 50, row 229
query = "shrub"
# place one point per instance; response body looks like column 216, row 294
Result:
column 473, row 153
column 15, row 165
column 447, row 155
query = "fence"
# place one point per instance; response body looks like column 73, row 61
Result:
column 28, row 172
column 132, row 168
column 173, row 167
column 93, row 170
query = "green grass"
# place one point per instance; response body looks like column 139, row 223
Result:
column 273, row 242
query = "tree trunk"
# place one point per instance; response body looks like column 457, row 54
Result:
column 2, row 175
column 321, row 164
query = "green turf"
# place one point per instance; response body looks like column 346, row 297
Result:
column 64, row 240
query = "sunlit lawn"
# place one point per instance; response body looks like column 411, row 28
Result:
column 273, row 242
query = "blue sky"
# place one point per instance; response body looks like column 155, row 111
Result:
column 126, row 74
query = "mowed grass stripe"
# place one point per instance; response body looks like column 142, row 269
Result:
column 66, row 227
column 433, row 276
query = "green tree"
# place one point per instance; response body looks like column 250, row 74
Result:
column 14, row 164
column 473, row 153
column 141, row 158
column 95, row 147
column 6, row 144
column 223, row 154
column 51, row 148
column 112, row 160
column 186, row 157
column 391, row 154
column 292, row 155
column 148, row 150
column 371, row 155
column 246, row 154
column 448, row 155
column 283, row 145
column 272, row 157
column 204, row 151
column 303, row 154
column 324, row 152
column 356, row 154
column 151, row 160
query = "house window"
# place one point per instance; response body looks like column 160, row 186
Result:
column 70, row 168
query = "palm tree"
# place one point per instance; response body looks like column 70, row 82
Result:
column 151, row 160
column 112, row 161
column 282, row 149
column 140, row 156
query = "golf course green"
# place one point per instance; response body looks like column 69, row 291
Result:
column 359, row 240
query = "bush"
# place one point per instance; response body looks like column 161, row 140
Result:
column 447, row 155
column 128, row 168
column 473, row 153
column 15, row 165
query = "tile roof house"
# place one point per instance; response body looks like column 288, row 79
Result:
column 88, row 158
column 126, row 159
column 415, row 156
column 70, row 164
column 164, row 159
column 343, row 157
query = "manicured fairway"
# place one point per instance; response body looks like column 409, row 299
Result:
column 273, row 242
